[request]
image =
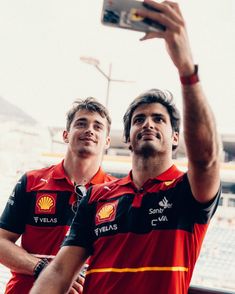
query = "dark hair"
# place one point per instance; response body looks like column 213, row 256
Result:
column 90, row 104
column 152, row 96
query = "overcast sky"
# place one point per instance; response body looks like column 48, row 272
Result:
column 41, row 43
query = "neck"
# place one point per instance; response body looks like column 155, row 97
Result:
column 81, row 170
column 146, row 168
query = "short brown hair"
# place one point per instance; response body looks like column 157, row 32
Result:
column 90, row 104
column 153, row 96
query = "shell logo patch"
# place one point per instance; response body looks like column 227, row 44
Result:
column 168, row 183
column 106, row 212
column 45, row 203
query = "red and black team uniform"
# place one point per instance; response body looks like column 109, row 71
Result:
column 141, row 241
column 41, row 208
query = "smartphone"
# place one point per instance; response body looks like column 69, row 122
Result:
column 122, row 14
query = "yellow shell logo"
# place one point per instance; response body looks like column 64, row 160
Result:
column 168, row 183
column 46, row 203
column 106, row 211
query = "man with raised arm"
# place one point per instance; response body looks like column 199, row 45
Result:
column 144, row 232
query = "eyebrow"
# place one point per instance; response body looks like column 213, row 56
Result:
column 84, row 119
column 137, row 116
column 152, row 115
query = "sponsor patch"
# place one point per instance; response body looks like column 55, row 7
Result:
column 106, row 212
column 45, row 203
column 168, row 183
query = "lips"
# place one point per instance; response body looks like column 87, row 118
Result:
column 88, row 139
column 148, row 135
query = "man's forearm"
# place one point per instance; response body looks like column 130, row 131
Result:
column 51, row 281
column 59, row 275
column 199, row 126
column 16, row 258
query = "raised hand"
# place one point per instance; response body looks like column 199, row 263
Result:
column 175, row 34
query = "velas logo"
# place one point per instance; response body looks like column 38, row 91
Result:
column 45, row 203
column 106, row 212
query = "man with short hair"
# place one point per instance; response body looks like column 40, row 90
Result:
column 144, row 232
column 44, row 201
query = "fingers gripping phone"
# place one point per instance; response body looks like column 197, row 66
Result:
column 122, row 14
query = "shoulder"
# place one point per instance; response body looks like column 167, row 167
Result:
column 40, row 172
column 37, row 176
column 109, row 177
column 104, row 191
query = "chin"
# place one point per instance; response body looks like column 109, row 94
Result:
column 85, row 151
column 146, row 150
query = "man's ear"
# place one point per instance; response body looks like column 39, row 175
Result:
column 175, row 137
column 107, row 142
column 65, row 136
column 129, row 145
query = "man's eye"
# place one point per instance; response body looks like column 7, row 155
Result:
column 80, row 124
column 159, row 119
column 98, row 127
column 138, row 120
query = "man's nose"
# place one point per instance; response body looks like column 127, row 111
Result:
column 148, row 123
column 90, row 129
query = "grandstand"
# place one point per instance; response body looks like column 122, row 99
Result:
column 215, row 266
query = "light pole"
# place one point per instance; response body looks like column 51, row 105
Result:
column 95, row 62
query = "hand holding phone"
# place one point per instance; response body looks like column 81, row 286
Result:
column 123, row 14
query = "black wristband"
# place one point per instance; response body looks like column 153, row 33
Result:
column 39, row 267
